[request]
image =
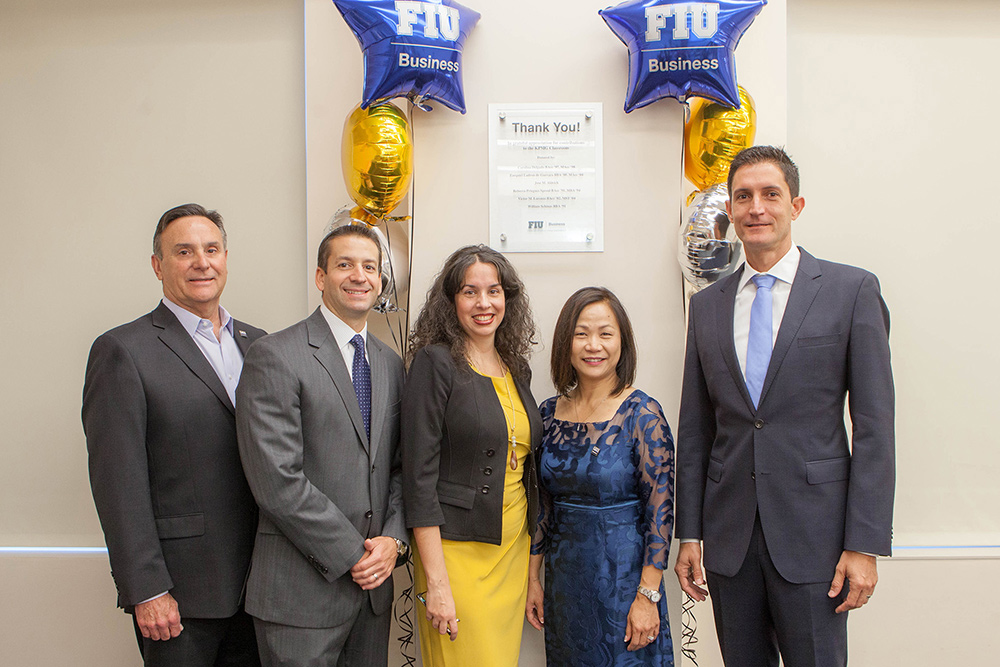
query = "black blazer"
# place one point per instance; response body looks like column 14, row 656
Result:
column 165, row 470
column 454, row 442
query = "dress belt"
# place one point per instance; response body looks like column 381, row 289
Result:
column 616, row 506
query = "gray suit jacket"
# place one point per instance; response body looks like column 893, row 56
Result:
column 165, row 471
column 789, row 459
column 322, row 487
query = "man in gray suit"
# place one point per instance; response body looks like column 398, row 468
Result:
column 158, row 412
column 791, row 515
column 318, row 425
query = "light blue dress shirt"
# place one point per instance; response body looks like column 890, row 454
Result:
column 223, row 354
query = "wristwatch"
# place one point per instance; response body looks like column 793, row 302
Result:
column 402, row 548
column 654, row 596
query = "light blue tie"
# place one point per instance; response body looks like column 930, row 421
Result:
column 759, row 346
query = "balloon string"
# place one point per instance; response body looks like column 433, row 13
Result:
column 405, row 322
column 401, row 612
column 392, row 303
column 689, row 626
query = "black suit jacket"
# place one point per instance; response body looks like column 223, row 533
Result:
column 789, row 459
column 165, row 470
column 454, row 449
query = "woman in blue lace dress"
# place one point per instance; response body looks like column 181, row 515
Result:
column 606, row 472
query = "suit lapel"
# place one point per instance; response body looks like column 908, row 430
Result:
column 380, row 384
column 243, row 336
column 327, row 353
column 724, row 322
column 173, row 335
column 804, row 290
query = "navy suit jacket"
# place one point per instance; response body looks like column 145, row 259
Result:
column 789, row 459
column 165, row 469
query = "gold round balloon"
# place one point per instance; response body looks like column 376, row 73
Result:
column 714, row 135
column 377, row 157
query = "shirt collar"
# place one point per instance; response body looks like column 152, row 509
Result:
column 784, row 270
column 342, row 331
column 190, row 321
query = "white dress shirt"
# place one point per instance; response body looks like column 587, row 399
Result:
column 746, row 290
column 343, row 332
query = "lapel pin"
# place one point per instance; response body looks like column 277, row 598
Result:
column 243, row 333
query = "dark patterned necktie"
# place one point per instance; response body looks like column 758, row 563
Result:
column 361, row 376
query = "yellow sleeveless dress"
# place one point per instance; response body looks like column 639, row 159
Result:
column 489, row 582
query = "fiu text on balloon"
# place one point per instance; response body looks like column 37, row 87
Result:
column 439, row 20
column 704, row 20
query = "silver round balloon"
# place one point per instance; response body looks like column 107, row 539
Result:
column 708, row 248
column 395, row 255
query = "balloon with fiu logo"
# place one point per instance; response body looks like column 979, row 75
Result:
column 681, row 49
column 377, row 157
column 713, row 135
column 411, row 49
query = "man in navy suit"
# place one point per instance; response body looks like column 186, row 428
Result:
column 159, row 415
column 790, row 513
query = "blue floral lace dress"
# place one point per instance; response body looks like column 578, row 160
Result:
column 607, row 491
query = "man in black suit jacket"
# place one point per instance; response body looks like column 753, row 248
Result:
column 159, row 416
column 790, row 514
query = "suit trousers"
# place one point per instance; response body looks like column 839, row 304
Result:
column 204, row 642
column 758, row 613
column 360, row 642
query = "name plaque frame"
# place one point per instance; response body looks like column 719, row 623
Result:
column 546, row 177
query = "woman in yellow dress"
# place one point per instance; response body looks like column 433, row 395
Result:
column 470, row 425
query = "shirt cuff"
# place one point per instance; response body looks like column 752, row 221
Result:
column 154, row 597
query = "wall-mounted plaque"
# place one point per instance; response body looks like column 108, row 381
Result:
column 546, row 177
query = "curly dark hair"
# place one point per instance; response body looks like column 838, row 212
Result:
column 438, row 323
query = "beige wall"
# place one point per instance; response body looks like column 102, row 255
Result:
column 112, row 111
column 891, row 115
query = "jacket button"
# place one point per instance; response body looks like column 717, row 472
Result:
column 487, row 470
column 753, row 475
column 368, row 514
column 490, row 452
column 485, row 489
column 759, row 423
column 373, row 468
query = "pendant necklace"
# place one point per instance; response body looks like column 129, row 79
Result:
column 510, row 400
column 513, row 419
column 596, row 449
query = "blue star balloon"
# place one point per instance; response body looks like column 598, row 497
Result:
column 678, row 49
column 411, row 48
